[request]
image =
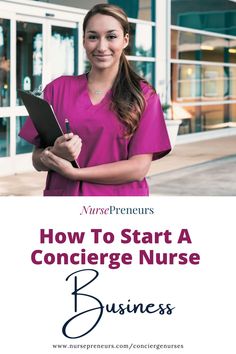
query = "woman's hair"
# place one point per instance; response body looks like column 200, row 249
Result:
column 128, row 101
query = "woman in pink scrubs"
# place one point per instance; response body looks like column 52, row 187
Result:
column 115, row 116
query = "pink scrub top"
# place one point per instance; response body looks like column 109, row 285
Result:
column 102, row 136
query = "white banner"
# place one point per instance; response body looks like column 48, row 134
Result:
column 117, row 275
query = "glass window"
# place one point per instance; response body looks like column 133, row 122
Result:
column 214, row 49
column 232, row 89
column 144, row 69
column 214, row 82
column 22, row 146
column 4, row 136
column 232, row 51
column 185, row 45
column 197, row 83
column 4, row 63
column 208, row 15
column 205, row 118
column 189, row 82
column 232, row 113
column 186, row 83
column 29, row 56
column 141, row 40
column 193, row 46
column 64, row 52
column 142, row 9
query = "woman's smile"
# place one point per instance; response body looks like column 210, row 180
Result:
column 102, row 57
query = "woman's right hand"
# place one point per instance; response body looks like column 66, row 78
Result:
column 67, row 146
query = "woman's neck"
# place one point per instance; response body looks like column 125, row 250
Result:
column 102, row 77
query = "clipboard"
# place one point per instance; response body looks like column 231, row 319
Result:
column 44, row 119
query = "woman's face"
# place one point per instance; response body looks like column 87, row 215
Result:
column 104, row 41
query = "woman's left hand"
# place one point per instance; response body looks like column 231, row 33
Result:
column 57, row 164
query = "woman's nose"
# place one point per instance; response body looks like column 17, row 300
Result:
column 102, row 45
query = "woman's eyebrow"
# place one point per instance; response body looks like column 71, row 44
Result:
column 90, row 31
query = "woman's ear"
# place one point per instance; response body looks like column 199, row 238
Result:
column 126, row 40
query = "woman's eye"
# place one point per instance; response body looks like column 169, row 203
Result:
column 92, row 37
column 112, row 36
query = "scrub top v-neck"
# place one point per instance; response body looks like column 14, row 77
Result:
column 102, row 135
column 89, row 98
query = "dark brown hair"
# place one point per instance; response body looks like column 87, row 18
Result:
column 128, row 101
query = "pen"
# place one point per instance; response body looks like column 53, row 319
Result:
column 67, row 123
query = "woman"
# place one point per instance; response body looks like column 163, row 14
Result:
column 114, row 112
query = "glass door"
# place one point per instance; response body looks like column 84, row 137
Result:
column 29, row 70
column 36, row 46
column 63, row 55
column 4, row 62
column 45, row 50
column 29, row 56
column 4, row 86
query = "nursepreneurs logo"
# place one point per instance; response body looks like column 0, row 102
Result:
column 113, row 210
column 88, row 309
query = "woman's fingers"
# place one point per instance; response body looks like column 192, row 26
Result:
column 74, row 146
column 47, row 157
column 67, row 149
column 67, row 136
column 57, row 164
column 78, row 145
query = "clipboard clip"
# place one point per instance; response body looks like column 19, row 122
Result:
column 37, row 92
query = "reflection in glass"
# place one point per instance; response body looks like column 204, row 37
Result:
column 214, row 49
column 29, row 56
column 208, row 15
column 141, row 40
column 232, row 89
column 232, row 114
column 142, row 9
column 144, row 69
column 197, row 83
column 193, row 46
column 232, row 51
column 188, row 82
column 4, row 136
column 4, row 63
column 214, row 82
column 185, row 45
column 22, row 146
column 64, row 51
column 205, row 118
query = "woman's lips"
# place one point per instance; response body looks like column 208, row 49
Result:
column 102, row 56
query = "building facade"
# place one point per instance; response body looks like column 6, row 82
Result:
column 186, row 49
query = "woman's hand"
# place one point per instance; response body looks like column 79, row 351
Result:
column 57, row 164
column 67, row 146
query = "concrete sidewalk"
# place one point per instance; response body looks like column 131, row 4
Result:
column 191, row 154
column 183, row 155
column 211, row 178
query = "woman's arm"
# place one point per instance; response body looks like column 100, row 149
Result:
column 67, row 146
column 133, row 169
column 36, row 159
